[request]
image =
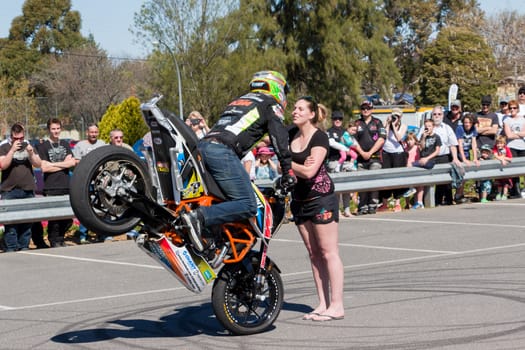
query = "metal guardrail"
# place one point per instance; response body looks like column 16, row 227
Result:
column 58, row 207
column 15, row 211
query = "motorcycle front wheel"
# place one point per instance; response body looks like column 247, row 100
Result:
column 240, row 305
column 103, row 184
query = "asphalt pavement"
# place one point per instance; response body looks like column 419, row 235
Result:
column 443, row 278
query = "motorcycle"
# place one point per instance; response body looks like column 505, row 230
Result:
column 114, row 191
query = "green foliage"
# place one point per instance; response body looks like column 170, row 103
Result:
column 416, row 22
column 48, row 26
column 45, row 27
column 193, row 35
column 125, row 116
column 462, row 57
column 331, row 50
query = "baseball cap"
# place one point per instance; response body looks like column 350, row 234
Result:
column 367, row 103
column 486, row 147
column 265, row 150
column 521, row 90
column 486, row 100
column 456, row 103
column 337, row 115
column 397, row 111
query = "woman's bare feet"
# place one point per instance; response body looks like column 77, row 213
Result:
column 316, row 312
column 330, row 314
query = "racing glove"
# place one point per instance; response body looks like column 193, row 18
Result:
column 288, row 180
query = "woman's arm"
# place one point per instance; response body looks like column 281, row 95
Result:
column 399, row 131
column 461, row 151
column 311, row 167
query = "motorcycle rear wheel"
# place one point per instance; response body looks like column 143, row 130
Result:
column 99, row 184
column 235, row 304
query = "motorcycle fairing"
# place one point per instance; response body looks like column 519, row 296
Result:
column 263, row 220
column 190, row 269
column 178, row 170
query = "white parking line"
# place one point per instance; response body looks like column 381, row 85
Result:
column 7, row 308
column 442, row 222
column 377, row 247
column 396, row 261
column 93, row 260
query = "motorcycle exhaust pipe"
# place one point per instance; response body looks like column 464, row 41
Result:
column 190, row 269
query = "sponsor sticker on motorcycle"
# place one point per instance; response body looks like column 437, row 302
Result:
column 195, row 275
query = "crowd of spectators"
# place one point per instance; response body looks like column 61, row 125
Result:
column 460, row 138
column 56, row 159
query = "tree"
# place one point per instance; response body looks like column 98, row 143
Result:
column 189, row 34
column 16, row 105
column 462, row 57
column 127, row 117
column 415, row 25
column 85, row 82
column 45, row 27
column 332, row 50
column 504, row 34
column 328, row 49
column 48, row 26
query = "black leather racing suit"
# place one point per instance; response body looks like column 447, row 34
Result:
column 246, row 120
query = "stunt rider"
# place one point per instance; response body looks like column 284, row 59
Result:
column 242, row 124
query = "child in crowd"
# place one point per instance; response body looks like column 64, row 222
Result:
column 484, row 187
column 429, row 147
column 349, row 141
column 265, row 168
column 412, row 150
column 503, row 154
column 466, row 134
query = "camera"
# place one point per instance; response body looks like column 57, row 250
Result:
column 195, row 121
column 426, row 129
column 23, row 145
column 394, row 118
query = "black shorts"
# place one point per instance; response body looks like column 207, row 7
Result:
column 322, row 210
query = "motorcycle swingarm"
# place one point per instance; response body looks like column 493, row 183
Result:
column 152, row 212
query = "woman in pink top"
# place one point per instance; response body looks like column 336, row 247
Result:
column 412, row 149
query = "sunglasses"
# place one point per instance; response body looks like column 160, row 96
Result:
column 485, row 104
column 514, row 107
column 521, row 93
column 365, row 108
column 337, row 119
column 311, row 100
column 503, row 103
column 18, row 138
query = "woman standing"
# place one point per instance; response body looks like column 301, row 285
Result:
column 394, row 155
column 514, row 128
column 315, row 208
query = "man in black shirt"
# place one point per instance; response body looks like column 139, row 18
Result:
column 453, row 117
column 370, row 138
column 57, row 159
column 487, row 124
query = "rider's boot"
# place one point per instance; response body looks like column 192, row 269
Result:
column 194, row 221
